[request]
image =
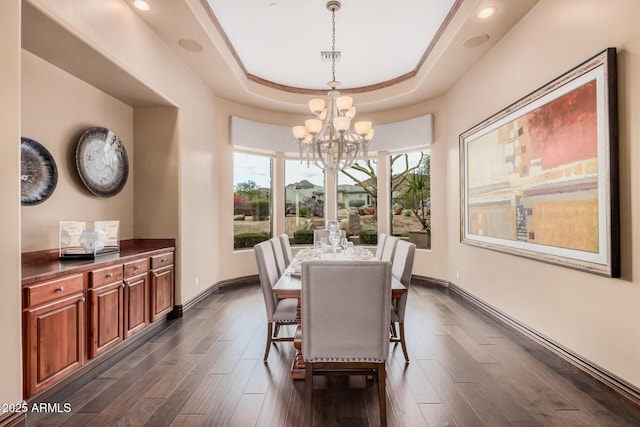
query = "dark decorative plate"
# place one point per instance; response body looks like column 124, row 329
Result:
column 102, row 162
column 38, row 172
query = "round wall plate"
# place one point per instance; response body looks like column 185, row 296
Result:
column 102, row 162
column 38, row 172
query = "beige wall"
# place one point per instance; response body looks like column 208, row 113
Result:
column 56, row 109
column 188, row 185
column 593, row 316
column 10, row 331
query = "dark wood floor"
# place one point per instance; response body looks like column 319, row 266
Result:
column 206, row 369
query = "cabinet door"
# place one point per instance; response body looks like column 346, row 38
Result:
column 54, row 342
column 136, row 307
column 105, row 317
column 161, row 292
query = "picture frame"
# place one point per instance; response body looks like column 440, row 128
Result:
column 539, row 179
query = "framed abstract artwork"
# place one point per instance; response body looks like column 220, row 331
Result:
column 539, row 179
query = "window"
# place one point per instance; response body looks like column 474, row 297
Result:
column 411, row 197
column 357, row 195
column 304, row 200
column 251, row 199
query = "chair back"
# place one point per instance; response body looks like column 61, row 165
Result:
column 381, row 238
column 402, row 265
column 389, row 248
column 401, row 269
column 268, row 272
column 286, row 248
column 319, row 233
column 345, row 310
column 278, row 254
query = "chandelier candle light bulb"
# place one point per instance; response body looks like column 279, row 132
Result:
column 327, row 140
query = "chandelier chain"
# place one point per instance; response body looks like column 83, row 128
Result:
column 333, row 45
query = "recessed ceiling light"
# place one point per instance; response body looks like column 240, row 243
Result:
column 190, row 45
column 486, row 12
column 141, row 5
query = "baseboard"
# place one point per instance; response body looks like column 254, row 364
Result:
column 15, row 419
column 429, row 281
column 180, row 309
column 627, row 391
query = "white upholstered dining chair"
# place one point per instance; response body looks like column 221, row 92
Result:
column 381, row 239
column 401, row 269
column 286, row 248
column 345, row 321
column 278, row 253
column 389, row 248
column 279, row 311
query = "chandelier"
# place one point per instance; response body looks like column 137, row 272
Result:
column 327, row 140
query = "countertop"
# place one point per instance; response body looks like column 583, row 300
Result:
column 45, row 265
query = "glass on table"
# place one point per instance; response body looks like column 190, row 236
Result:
column 318, row 249
column 350, row 250
column 344, row 242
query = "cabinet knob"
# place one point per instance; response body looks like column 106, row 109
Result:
column 82, row 299
column 109, row 276
column 137, row 267
column 60, row 289
column 163, row 260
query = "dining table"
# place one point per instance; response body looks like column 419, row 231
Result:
column 289, row 285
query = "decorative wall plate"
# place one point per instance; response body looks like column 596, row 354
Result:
column 38, row 172
column 102, row 162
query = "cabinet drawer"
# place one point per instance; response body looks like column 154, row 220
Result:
column 54, row 289
column 107, row 275
column 163, row 260
column 135, row 268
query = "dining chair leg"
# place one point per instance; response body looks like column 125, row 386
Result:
column 382, row 397
column 308, row 395
column 269, row 332
column 276, row 331
column 403, row 342
column 394, row 333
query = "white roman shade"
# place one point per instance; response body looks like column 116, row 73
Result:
column 404, row 136
column 398, row 136
column 262, row 136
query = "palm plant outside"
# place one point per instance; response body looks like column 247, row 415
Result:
column 418, row 190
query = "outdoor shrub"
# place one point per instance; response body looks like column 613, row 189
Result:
column 248, row 240
column 407, row 212
column 304, row 211
column 241, row 206
column 368, row 237
column 260, row 209
column 356, row 203
column 303, row 237
column 341, row 205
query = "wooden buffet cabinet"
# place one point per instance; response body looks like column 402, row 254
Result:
column 75, row 311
